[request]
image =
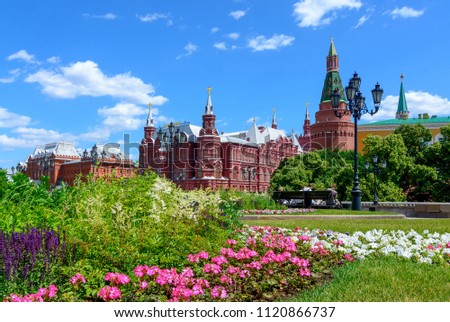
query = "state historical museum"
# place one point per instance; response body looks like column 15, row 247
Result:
column 199, row 157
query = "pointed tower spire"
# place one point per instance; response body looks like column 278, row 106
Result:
column 209, row 106
column 274, row 118
column 333, row 79
column 402, row 109
column 332, row 51
column 150, row 115
column 307, row 117
column 307, row 123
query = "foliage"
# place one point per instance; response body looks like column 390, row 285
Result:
column 415, row 137
column 115, row 224
column 30, row 258
column 319, row 168
column 242, row 200
column 264, row 264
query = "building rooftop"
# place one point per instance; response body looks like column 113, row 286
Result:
column 420, row 120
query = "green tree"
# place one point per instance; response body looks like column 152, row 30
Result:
column 3, row 183
column 416, row 138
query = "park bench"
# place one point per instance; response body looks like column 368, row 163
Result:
column 306, row 199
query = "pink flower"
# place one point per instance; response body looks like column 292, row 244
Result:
column 41, row 292
column 231, row 242
column 219, row 260
column 52, row 289
column 117, row 278
column 244, row 273
column 337, row 242
column 77, row 278
column 301, row 262
column 140, row 270
column 304, row 272
column 212, row 268
column 187, row 272
column 228, row 252
column 233, row 270
column 218, row 291
column 255, row 264
column 143, row 284
column 196, row 257
column 348, row 257
column 152, row 270
column 225, row 279
column 448, row 245
column 109, row 293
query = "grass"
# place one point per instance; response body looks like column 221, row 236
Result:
column 383, row 279
column 352, row 225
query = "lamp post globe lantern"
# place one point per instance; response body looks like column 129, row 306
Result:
column 357, row 107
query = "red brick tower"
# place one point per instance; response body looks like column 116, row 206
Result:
column 209, row 164
column 330, row 131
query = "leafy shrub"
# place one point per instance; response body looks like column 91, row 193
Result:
column 30, row 258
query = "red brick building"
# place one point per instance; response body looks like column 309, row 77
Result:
column 199, row 157
column 62, row 162
column 329, row 131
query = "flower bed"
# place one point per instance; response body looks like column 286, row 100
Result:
column 260, row 264
column 290, row 211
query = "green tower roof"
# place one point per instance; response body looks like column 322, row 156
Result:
column 402, row 106
column 332, row 51
column 332, row 79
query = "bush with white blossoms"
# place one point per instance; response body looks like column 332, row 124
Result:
column 424, row 248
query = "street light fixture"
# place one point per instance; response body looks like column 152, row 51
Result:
column 169, row 141
column 375, row 170
column 249, row 173
column 356, row 107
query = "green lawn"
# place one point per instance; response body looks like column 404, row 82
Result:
column 352, row 225
column 384, row 279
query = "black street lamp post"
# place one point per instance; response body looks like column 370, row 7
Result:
column 356, row 107
column 170, row 141
column 375, row 170
column 250, row 172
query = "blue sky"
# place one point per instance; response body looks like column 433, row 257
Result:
column 83, row 71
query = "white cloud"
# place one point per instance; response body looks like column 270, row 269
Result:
column 261, row 43
column 14, row 74
column 418, row 103
column 32, row 137
column 22, row 55
column 106, row 16
column 362, row 21
column 9, row 119
column 220, row 46
column 151, row 17
column 190, row 48
column 233, row 35
column 215, row 30
column 406, row 12
column 123, row 116
column 7, row 142
column 54, row 60
column 314, row 13
column 238, row 14
column 86, row 79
